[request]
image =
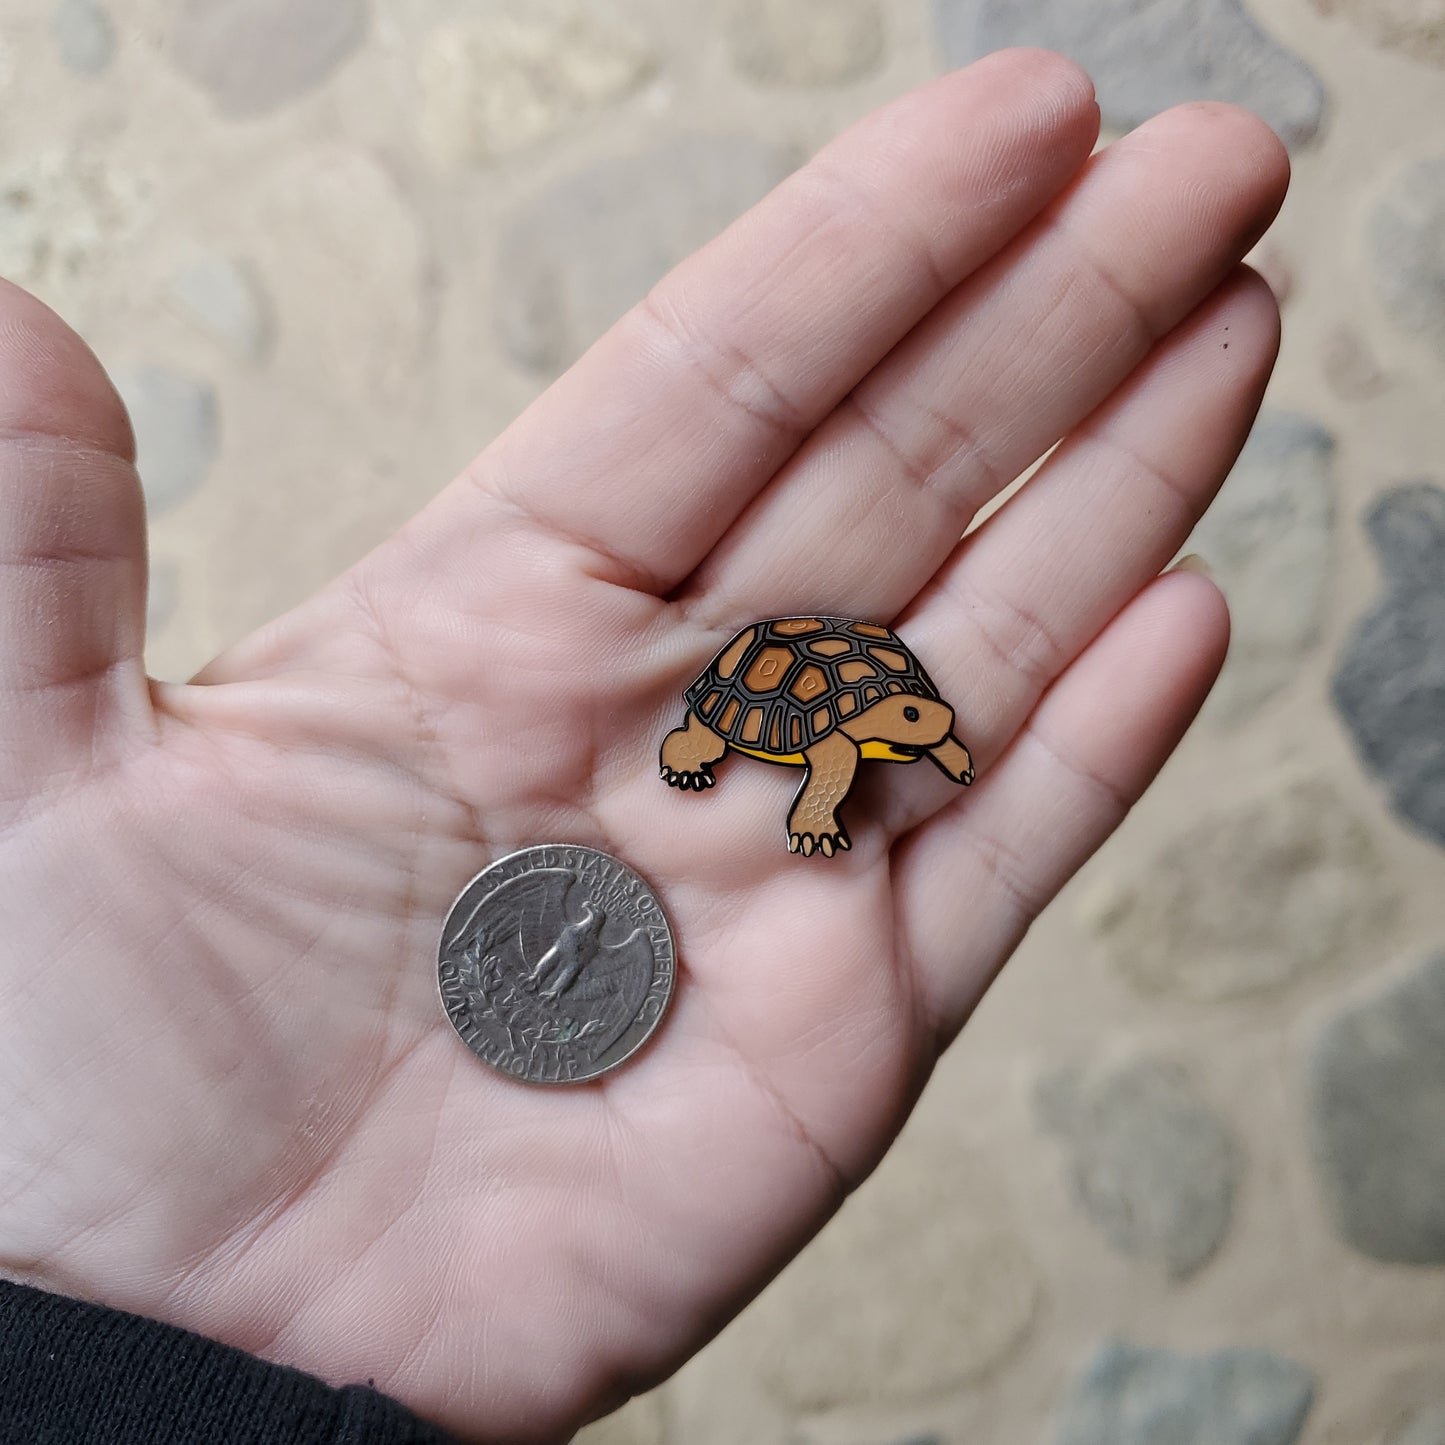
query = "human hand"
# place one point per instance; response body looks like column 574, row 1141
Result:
column 229, row 1096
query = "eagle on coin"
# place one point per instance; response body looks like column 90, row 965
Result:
column 577, row 983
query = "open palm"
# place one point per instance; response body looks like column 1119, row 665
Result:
column 229, row 1096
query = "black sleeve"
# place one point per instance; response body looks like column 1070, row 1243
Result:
column 73, row 1373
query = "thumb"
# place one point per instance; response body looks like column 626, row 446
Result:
column 72, row 555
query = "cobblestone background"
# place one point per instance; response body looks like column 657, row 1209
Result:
column 1185, row 1176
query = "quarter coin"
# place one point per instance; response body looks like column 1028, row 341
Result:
column 556, row 964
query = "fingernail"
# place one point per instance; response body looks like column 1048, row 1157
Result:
column 1193, row 562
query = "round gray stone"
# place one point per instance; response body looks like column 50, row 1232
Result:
column 806, row 42
column 1134, row 1396
column 1407, row 254
column 1149, row 1161
column 252, row 56
column 571, row 262
column 1416, row 28
column 221, row 298
column 1269, row 538
column 1377, row 1116
column 1146, row 55
column 84, row 35
column 177, row 431
column 1390, row 684
column 1249, row 900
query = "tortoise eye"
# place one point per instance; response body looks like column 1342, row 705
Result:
column 911, row 713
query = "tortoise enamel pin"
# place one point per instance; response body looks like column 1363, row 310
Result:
column 819, row 693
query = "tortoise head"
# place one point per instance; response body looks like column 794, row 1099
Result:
column 901, row 727
column 904, row 727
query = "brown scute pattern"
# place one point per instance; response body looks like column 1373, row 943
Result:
column 769, row 669
column 793, row 679
column 809, row 684
column 727, row 664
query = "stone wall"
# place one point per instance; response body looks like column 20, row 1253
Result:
column 1184, row 1176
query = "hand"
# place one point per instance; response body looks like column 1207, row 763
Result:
column 229, row 1096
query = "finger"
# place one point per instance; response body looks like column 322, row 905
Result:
column 1027, row 592
column 972, row 879
column 650, row 446
column 864, row 514
column 72, row 550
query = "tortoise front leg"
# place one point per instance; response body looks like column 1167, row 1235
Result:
column 814, row 821
column 688, row 754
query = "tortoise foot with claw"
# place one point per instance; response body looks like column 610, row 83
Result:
column 819, row 693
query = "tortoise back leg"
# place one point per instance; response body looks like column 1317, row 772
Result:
column 688, row 754
column 814, row 821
